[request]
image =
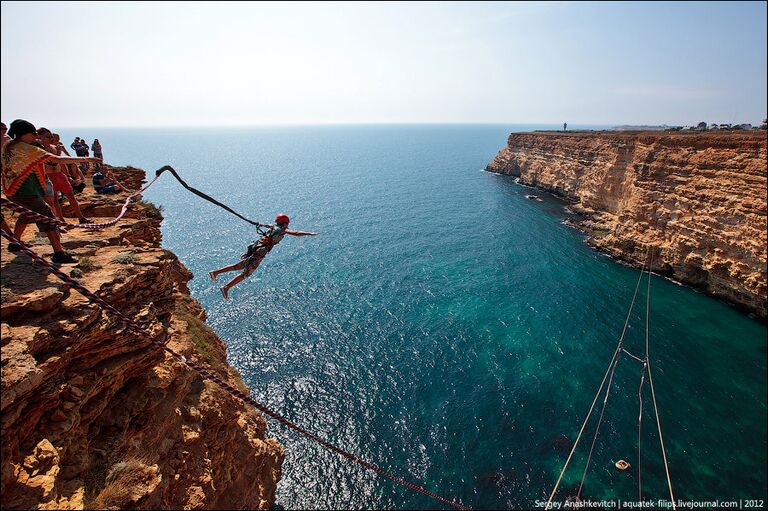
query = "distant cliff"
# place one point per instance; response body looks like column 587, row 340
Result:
column 698, row 199
column 93, row 416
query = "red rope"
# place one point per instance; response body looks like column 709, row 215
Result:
column 66, row 226
column 136, row 328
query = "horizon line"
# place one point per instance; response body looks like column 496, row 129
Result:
column 373, row 123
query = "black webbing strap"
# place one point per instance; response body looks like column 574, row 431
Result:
column 207, row 197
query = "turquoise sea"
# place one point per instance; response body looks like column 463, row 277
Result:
column 443, row 326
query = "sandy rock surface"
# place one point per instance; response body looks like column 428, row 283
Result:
column 93, row 416
column 698, row 199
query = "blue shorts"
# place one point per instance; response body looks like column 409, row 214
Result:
column 106, row 189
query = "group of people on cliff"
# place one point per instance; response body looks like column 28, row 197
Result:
column 38, row 171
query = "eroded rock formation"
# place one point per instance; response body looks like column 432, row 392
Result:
column 94, row 416
column 698, row 199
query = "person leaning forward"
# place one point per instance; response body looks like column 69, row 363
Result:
column 256, row 253
column 23, row 172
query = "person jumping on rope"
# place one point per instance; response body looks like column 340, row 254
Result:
column 256, row 252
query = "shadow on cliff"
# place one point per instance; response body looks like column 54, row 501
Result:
column 22, row 275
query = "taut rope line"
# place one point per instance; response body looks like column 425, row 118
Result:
column 653, row 395
column 605, row 403
column 642, row 383
column 599, row 423
column 136, row 328
column 599, row 390
column 66, row 226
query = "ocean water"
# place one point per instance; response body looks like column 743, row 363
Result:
column 443, row 326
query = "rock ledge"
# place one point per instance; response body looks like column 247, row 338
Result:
column 93, row 416
column 698, row 199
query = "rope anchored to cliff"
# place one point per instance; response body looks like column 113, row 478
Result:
column 138, row 330
column 609, row 373
column 64, row 226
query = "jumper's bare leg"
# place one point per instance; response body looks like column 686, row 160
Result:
column 231, row 267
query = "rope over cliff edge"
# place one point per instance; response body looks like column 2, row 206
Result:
column 137, row 329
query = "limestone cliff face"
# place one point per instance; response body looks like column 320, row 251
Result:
column 698, row 199
column 93, row 416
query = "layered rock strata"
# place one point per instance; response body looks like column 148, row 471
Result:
column 93, row 416
column 699, row 200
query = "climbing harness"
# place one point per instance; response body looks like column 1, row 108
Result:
column 266, row 230
column 138, row 330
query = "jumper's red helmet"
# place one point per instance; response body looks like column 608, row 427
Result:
column 282, row 219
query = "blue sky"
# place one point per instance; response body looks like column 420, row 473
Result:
column 143, row 64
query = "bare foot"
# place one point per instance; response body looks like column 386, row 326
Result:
column 213, row 276
column 225, row 292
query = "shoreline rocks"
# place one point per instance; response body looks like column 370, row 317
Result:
column 698, row 200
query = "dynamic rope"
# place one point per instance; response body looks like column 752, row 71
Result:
column 203, row 195
column 136, row 328
column 66, row 226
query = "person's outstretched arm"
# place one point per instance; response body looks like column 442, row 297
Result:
column 300, row 233
column 75, row 159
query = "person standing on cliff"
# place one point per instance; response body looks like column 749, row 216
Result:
column 6, row 138
column 77, row 179
column 23, row 168
column 58, row 177
column 96, row 147
column 256, row 253
column 81, row 150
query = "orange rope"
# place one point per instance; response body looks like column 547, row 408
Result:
column 137, row 329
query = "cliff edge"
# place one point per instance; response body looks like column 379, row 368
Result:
column 93, row 416
column 698, row 199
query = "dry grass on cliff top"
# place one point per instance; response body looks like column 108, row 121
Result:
column 127, row 482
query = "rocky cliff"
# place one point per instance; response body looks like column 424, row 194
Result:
column 698, row 199
column 93, row 416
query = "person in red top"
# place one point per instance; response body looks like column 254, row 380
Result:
column 76, row 177
column 59, row 179
column 256, row 253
